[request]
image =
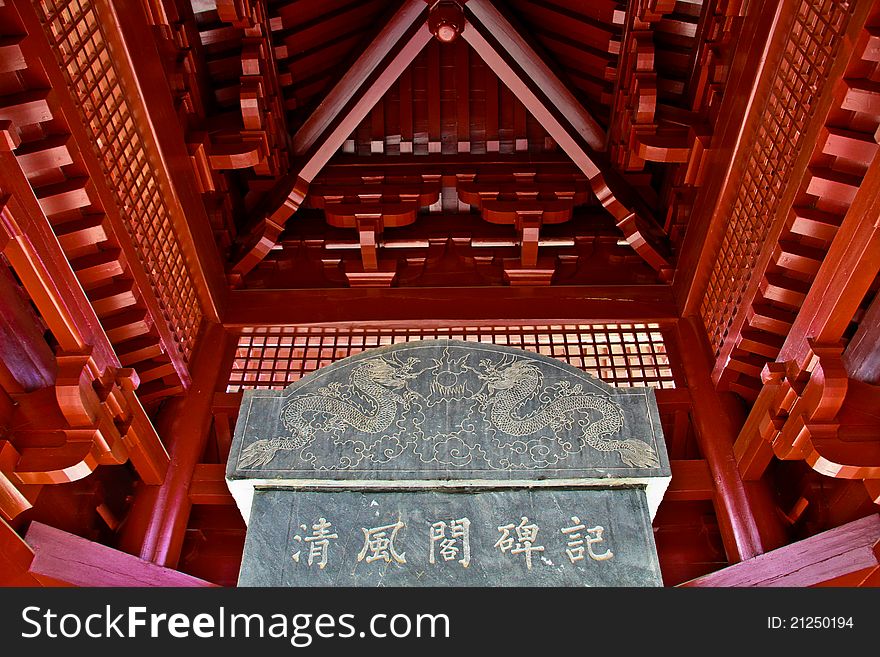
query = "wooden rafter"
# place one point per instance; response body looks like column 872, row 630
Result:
column 350, row 100
column 511, row 58
column 535, row 85
column 514, row 61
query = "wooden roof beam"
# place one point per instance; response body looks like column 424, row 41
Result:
column 432, row 305
column 322, row 134
column 60, row 557
column 850, row 548
column 576, row 131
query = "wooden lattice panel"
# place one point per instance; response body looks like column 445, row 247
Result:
column 818, row 197
column 807, row 56
column 76, row 35
column 625, row 355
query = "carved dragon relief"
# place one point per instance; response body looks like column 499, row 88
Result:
column 380, row 412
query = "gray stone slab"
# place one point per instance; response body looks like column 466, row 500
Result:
column 285, row 531
column 440, row 412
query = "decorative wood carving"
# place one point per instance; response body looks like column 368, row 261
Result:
column 100, row 426
column 812, row 411
column 526, row 202
column 370, row 205
column 62, row 433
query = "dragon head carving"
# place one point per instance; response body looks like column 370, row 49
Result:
column 391, row 373
column 506, row 374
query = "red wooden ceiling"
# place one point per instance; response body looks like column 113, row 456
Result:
column 449, row 103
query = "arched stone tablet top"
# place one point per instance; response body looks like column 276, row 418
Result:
column 438, row 411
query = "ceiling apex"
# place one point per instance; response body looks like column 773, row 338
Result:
column 446, row 20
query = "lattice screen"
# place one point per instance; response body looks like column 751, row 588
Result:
column 75, row 33
column 809, row 52
column 620, row 354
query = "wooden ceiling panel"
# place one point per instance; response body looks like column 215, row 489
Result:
column 448, row 101
column 286, row 14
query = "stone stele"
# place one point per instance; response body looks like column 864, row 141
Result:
column 472, row 435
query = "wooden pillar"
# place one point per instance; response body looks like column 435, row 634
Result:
column 156, row 524
column 746, row 513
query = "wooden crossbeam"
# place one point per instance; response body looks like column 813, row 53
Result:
column 425, row 306
column 209, row 485
column 691, row 480
column 63, row 558
column 850, row 548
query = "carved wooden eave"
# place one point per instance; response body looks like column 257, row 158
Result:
column 817, row 180
column 89, row 415
column 516, row 64
column 108, row 197
column 811, row 411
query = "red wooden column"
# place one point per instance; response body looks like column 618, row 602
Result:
column 155, row 526
column 746, row 513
